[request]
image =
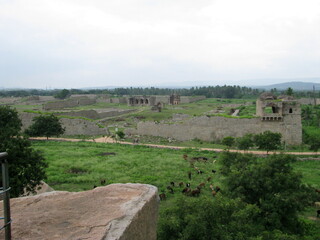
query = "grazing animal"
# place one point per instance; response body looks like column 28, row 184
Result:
column 201, row 185
column 213, row 171
column 170, row 189
column 162, row 196
column 211, row 187
column 189, row 175
column 203, row 159
column 188, row 184
column 103, row 181
column 200, row 159
column 217, row 189
column 172, row 184
column 185, row 156
column 214, row 193
column 195, row 192
column 208, row 179
column 180, row 184
column 318, row 190
column 186, row 190
column 200, row 172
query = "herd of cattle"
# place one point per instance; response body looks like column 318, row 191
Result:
column 185, row 187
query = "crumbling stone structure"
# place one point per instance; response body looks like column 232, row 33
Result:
column 309, row 101
column 273, row 114
column 174, row 99
column 141, row 101
column 72, row 126
column 271, row 108
column 69, row 103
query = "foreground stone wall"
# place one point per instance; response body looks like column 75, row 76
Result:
column 216, row 128
column 113, row 212
column 72, row 126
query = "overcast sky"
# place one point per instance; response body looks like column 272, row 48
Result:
column 82, row 43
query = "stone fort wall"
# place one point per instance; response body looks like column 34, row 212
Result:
column 72, row 126
column 309, row 101
column 93, row 114
column 216, row 128
column 70, row 103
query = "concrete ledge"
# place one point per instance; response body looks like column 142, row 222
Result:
column 113, row 212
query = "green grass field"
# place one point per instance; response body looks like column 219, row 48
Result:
column 78, row 166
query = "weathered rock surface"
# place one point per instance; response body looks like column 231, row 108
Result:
column 113, row 212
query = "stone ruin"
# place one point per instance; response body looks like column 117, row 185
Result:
column 141, row 101
column 275, row 114
column 272, row 108
column 174, row 99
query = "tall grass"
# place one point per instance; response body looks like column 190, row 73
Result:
column 79, row 166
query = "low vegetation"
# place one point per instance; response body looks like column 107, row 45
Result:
column 225, row 214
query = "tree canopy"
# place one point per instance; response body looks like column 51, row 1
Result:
column 268, row 140
column 26, row 166
column 63, row 94
column 271, row 185
column 45, row 125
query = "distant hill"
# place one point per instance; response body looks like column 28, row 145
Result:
column 301, row 86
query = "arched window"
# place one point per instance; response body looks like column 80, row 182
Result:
column 290, row 110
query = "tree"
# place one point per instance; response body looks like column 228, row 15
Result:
column 245, row 142
column 26, row 166
column 228, row 141
column 307, row 115
column 120, row 134
column 271, row 185
column 45, row 125
column 268, row 140
column 312, row 138
column 289, row 91
column 63, row 94
column 208, row 219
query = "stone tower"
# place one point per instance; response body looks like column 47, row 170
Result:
column 283, row 110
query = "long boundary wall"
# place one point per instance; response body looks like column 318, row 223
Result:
column 95, row 114
column 216, row 128
column 309, row 101
column 68, row 103
column 72, row 126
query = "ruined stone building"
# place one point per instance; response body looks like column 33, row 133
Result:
column 282, row 115
column 141, row 101
column 174, row 99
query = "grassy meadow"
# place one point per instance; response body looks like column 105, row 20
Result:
column 78, row 166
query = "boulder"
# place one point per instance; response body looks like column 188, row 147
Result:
column 113, row 212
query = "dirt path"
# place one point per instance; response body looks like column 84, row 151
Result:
column 111, row 140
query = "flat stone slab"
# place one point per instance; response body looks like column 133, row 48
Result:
column 116, row 211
